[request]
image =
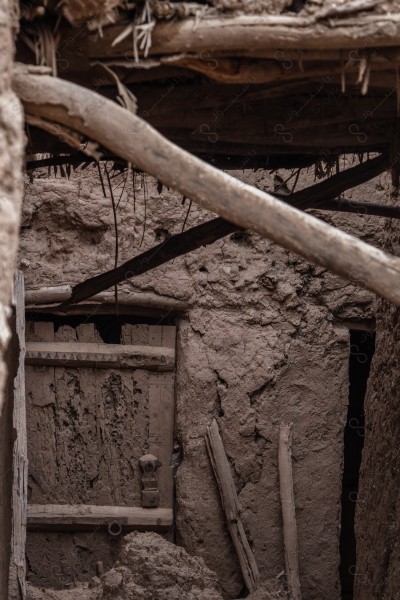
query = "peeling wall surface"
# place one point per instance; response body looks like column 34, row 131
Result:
column 265, row 340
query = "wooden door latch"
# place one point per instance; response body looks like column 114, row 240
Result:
column 150, row 492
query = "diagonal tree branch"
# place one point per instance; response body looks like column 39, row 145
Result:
column 128, row 136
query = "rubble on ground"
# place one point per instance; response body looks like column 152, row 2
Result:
column 149, row 568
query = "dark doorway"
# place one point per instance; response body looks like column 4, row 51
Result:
column 362, row 347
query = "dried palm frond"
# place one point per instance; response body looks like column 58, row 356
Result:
column 125, row 98
column 142, row 29
column 123, row 35
column 43, row 42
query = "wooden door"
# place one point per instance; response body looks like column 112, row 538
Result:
column 93, row 410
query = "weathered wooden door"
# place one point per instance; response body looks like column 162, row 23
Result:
column 93, row 410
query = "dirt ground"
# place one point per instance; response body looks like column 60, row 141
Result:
column 150, row 568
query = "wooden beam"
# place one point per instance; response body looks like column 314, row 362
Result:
column 83, row 290
column 55, row 294
column 60, row 516
column 175, row 246
column 256, row 32
column 101, row 356
column 316, row 196
column 238, row 69
column 128, row 136
column 332, row 187
column 231, row 506
column 252, row 71
column 17, row 574
column 360, row 207
column 91, row 309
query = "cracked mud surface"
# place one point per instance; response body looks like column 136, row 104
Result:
column 264, row 341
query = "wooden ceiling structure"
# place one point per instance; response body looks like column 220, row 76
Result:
column 237, row 83
column 236, row 88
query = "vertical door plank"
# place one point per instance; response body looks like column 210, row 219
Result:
column 168, row 336
column 161, row 430
column 17, row 576
column 162, row 414
column 155, row 335
column 136, row 335
column 41, row 426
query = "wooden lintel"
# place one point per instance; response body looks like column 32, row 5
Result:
column 104, row 356
column 89, row 309
column 288, row 511
column 47, row 296
column 59, row 516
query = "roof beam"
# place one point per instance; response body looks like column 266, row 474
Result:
column 211, row 231
column 258, row 32
column 123, row 133
column 175, row 246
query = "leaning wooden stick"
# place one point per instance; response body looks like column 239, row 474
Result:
column 230, row 504
column 131, row 138
column 288, row 512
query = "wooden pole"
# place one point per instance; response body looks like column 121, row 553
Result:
column 47, row 296
column 360, row 207
column 288, row 512
column 230, row 505
column 100, row 356
column 76, row 516
column 256, row 32
column 128, row 136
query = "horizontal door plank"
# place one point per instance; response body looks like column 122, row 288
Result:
column 59, row 516
column 66, row 354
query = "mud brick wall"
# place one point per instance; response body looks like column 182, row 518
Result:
column 265, row 339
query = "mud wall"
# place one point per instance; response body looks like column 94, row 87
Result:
column 11, row 146
column 265, row 340
column 378, row 507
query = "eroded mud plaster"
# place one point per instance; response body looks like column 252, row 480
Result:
column 264, row 340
